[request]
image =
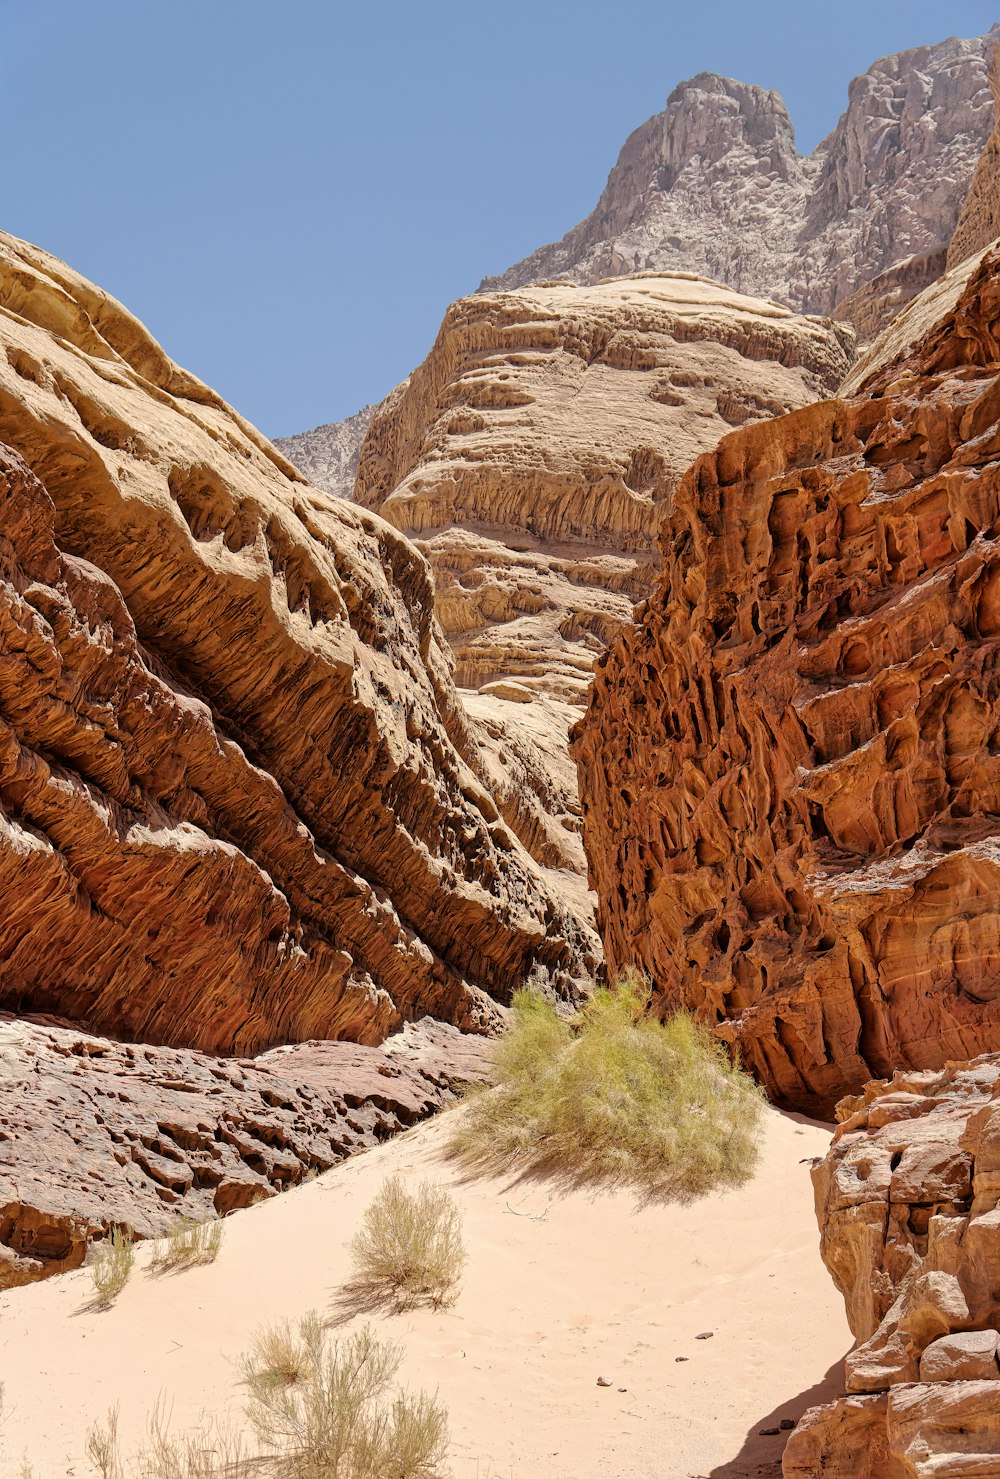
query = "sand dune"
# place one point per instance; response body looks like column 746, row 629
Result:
column 559, row 1291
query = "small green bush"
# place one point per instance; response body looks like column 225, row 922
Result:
column 111, row 1265
column 613, row 1096
column 409, row 1248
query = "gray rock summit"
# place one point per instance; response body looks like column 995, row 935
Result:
column 715, row 185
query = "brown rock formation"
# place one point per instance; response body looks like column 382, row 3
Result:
column 789, row 766
column 531, row 450
column 908, row 1201
column 714, row 184
column 528, row 456
column 233, row 809
column 979, row 221
column 877, row 303
column 95, row 1134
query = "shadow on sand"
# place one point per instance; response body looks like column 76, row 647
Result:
column 760, row 1457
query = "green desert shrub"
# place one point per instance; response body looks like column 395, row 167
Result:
column 409, row 1248
column 112, row 1262
column 187, row 1243
column 613, row 1095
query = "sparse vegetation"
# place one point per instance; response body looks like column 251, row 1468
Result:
column 319, row 1409
column 282, row 1353
column 335, row 1420
column 211, row 1451
column 615, row 1096
column 112, row 1263
column 409, row 1249
column 188, row 1242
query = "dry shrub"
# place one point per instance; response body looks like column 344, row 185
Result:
column 187, row 1243
column 112, row 1263
column 613, row 1096
column 337, row 1420
column 409, row 1249
column 282, row 1353
column 210, row 1451
column 320, row 1410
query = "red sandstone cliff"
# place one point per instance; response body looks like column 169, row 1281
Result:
column 789, row 767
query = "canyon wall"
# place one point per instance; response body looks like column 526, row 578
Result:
column 532, row 450
column 234, row 808
column 789, row 766
column 979, row 220
column 908, row 1200
column 714, row 184
column 529, row 457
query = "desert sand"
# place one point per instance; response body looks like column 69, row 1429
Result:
column 560, row 1290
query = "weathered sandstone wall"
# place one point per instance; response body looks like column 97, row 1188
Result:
column 789, row 767
column 233, row 807
column 532, row 450
column 908, row 1201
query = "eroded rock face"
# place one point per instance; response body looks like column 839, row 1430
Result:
column 529, row 456
column 789, row 765
column 908, row 1201
column 979, row 221
column 531, row 451
column 328, row 455
column 233, row 807
column 95, row 1134
column 715, row 185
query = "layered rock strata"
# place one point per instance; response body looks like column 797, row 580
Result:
column 789, row 765
column 531, row 452
column 715, row 185
column 529, row 457
column 97, row 1134
column 908, row 1201
column 233, row 805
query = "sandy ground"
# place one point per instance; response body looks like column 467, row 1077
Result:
column 559, row 1291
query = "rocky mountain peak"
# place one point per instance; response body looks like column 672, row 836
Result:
column 714, row 184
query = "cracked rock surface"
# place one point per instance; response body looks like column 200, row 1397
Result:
column 96, row 1133
column 908, row 1202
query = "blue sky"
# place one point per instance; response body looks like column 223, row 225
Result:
column 290, row 192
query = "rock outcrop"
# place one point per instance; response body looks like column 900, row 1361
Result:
column 328, row 455
column 979, row 221
column 233, row 805
column 529, row 457
column 789, row 765
column 908, row 1201
column 714, row 185
column 97, row 1134
column 531, row 452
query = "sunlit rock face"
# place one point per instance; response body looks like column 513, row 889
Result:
column 714, row 184
column 234, row 808
column 908, row 1201
column 789, row 767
